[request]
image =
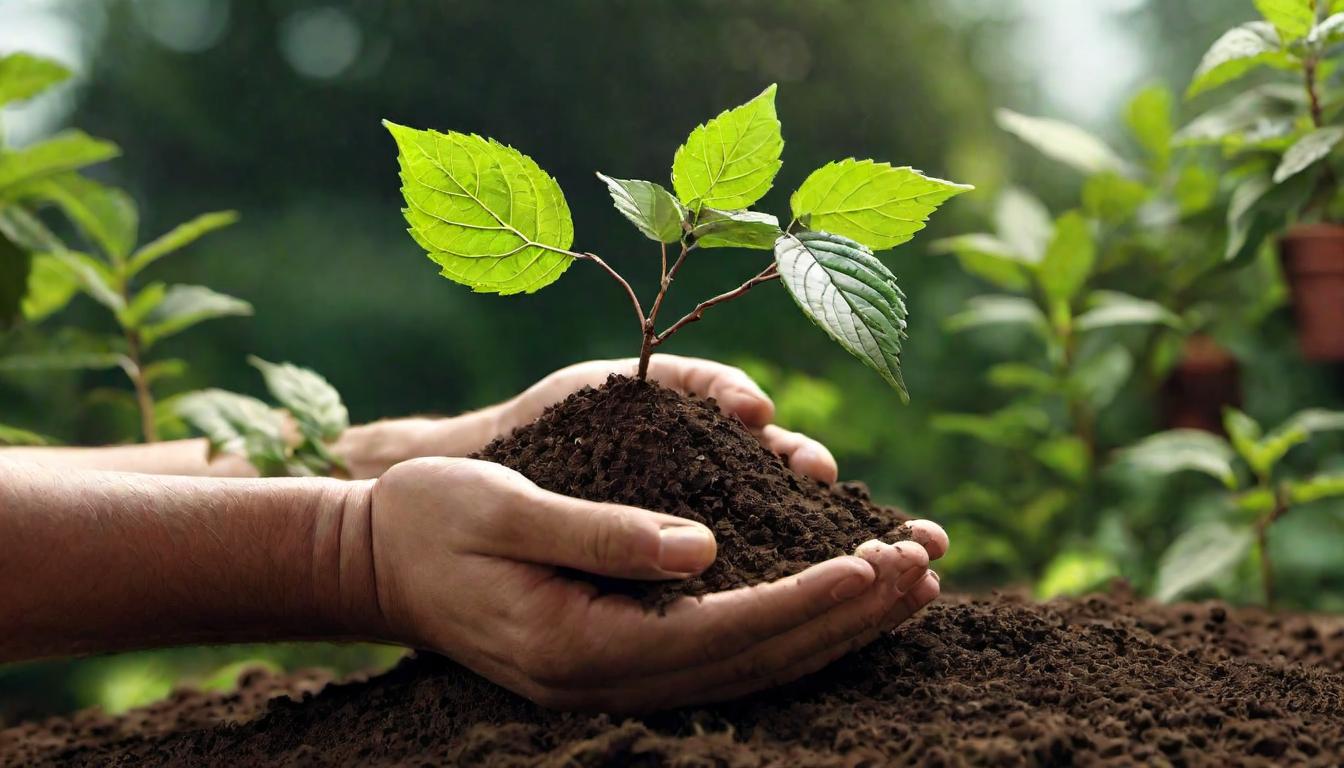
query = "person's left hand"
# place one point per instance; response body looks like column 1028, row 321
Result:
column 734, row 391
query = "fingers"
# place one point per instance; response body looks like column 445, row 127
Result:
column 929, row 535
column 805, row 455
column 735, row 392
column 607, row 539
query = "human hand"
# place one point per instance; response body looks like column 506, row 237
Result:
column 467, row 556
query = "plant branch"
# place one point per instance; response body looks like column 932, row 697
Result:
column 144, row 398
column 1327, row 181
column 763, row 276
column 665, row 282
column 630, row 292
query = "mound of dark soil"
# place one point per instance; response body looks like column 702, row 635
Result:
column 988, row 682
column 643, row 445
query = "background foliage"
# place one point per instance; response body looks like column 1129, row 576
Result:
column 273, row 109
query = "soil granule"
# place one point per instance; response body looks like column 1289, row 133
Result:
column 1105, row 680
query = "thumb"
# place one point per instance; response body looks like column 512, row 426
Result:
column 605, row 539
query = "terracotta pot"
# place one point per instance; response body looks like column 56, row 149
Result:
column 1313, row 264
column 1206, row 380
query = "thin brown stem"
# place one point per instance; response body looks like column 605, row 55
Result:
column 144, row 398
column 1262, row 542
column 1326, row 182
column 764, row 275
column 630, row 292
column 650, row 340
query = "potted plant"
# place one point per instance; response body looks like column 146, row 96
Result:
column 1285, row 134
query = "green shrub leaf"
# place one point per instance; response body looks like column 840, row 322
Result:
column 66, row 151
column 1323, row 486
column 1307, row 151
column 1180, row 450
column 93, row 278
column 16, row 436
column 238, row 424
column 483, row 211
column 1113, row 308
column 1076, row 573
column 1328, row 32
column 183, row 306
column 1148, row 115
column 735, row 229
column 1199, row 556
column 51, row 286
column 1069, row 258
column 995, row 310
column 146, row 301
column 648, row 206
column 1238, row 51
column 313, row 402
column 106, row 215
column 180, row 237
column 1024, row 223
column 1292, row 18
column 850, row 295
column 1062, row 141
column 23, row 76
column 873, row 203
column 1113, row 198
column 730, row 161
column 989, row 258
column 63, row 361
column 1269, row 111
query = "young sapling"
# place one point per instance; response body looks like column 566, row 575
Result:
column 494, row 221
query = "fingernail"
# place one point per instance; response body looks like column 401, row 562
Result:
column 935, row 576
column 850, row 588
column 685, row 549
column 907, row 580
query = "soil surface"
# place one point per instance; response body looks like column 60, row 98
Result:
column 643, row 445
column 999, row 681
column 996, row 681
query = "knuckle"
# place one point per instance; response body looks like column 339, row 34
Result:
column 604, row 541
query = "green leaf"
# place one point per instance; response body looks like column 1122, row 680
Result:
column 995, row 310
column 1180, row 450
column 27, row 231
column 735, row 229
column 146, row 301
column 1112, row 308
column 1024, row 223
column 93, row 278
column 107, row 216
column 15, row 265
column 987, row 257
column 1201, row 555
column 51, row 286
column 1022, row 377
column 1014, row 427
column 850, row 295
column 240, row 425
column 1258, row 209
column 312, row 401
column 1328, row 32
column 1113, row 198
column 1307, row 151
column 730, row 161
column 66, row 151
column 1097, row 379
column 873, row 203
column 1069, row 258
column 1323, row 486
column 483, row 211
column 1076, row 573
column 1266, row 111
column 1196, row 189
column 14, row 435
column 186, row 305
column 62, row 361
column 1314, row 420
column 172, row 368
column 1066, row 455
column 179, row 237
column 1062, row 141
column 1292, row 18
column 1238, row 51
column 648, row 206
column 1148, row 115
column 23, row 76
column 1245, row 434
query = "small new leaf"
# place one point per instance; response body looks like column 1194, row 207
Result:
column 1149, row 118
column 1062, row 141
column 183, row 306
column 1323, row 486
column 483, row 211
column 850, row 295
column 648, row 206
column 730, row 161
column 1181, row 450
column 180, row 237
column 1112, row 308
column 873, row 203
column 1292, row 18
column 1238, row 51
column 23, row 76
column 66, row 151
column 735, row 229
column 107, row 216
column 1200, row 555
column 1307, row 151
column 312, row 401
column 1069, row 258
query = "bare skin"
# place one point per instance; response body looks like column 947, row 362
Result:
column 450, row 554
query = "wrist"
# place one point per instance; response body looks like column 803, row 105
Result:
column 372, row 449
column 344, row 575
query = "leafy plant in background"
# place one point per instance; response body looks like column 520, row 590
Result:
column 1258, row 494
column 1286, row 130
column 494, row 221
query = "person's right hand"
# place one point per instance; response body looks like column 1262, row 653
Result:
column 466, row 556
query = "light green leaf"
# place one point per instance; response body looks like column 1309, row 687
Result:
column 1307, row 151
column 1328, row 32
column 1097, row 379
column 1069, row 258
column 1021, row 376
column 15, row 266
column 1244, row 433
column 27, row 231
column 1066, row 455
column 1202, row 554
column 1323, row 486
column 730, row 161
column 146, row 301
column 51, row 286
column 172, row 368
column 1292, row 18
column 312, row 401
column 1238, row 51
column 1314, row 420
column 179, row 237
column 1076, row 573
column 987, row 257
column 1148, row 115
column 1062, row 141
column 483, row 211
column 995, row 311
column 873, row 203
column 850, row 295
column 1195, row 190
column 735, row 229
column 238, row 424
column 16, row 436
column 1266, row 111
column 62, row 361
column 1113, row 198
column 93, row 278
column 1014, row 427
column 66, row 151
column 1258, row 209
column 650, row 207
column 1180, row 450
column 107, row 216
column 186, row 305
column 1024, row 223
column 1112, row 308
column 23, row 76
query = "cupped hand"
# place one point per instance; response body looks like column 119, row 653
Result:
column 468, row 558
column 734, row 391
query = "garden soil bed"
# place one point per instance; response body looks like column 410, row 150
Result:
column 990, row 681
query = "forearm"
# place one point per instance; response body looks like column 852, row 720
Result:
column 94, row 561
column 176, row 457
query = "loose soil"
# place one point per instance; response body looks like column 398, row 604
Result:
column 991, row 681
